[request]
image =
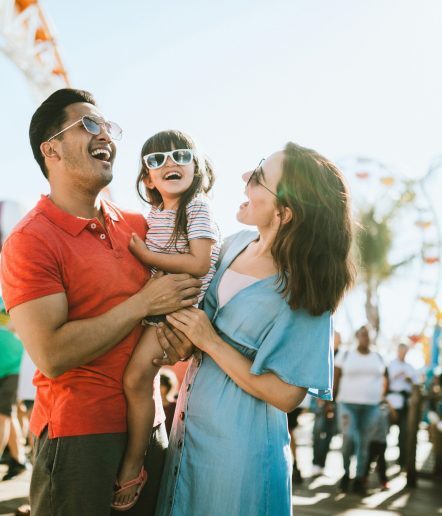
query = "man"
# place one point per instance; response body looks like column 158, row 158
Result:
column 77, row 296
column 402, row 375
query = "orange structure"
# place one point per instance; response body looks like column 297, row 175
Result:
column 29, row 42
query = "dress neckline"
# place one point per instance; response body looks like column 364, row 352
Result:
column 242, row 274
column 228, row 260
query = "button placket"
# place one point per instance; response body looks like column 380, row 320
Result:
column 181, row 424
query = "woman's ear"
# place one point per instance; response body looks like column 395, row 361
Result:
column 286, row 215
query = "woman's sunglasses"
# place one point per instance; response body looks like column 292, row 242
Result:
column 255, row 178
column 93, row 124
column 157, row 159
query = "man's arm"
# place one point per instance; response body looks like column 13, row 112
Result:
column 56, row 345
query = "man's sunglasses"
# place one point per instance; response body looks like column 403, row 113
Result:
column 93, row 125
column 255, row 178
column 157, row 159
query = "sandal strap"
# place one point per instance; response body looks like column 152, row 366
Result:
column 135, row 481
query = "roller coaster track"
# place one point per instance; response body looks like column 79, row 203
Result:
column 27, row 39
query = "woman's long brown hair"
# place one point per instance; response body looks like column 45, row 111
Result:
column 202, row 181
column 312, row 251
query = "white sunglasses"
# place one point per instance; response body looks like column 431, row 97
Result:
column 157, row 159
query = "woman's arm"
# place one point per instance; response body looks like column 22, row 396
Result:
column 267, row 387
column 336, row 381
column 196, row 262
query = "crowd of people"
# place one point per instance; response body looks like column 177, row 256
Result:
column 370, row 395
column 102, row 298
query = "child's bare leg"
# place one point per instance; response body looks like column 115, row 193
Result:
column 138, row 388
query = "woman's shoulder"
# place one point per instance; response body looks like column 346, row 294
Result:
column 234, row 243
column 244, row 236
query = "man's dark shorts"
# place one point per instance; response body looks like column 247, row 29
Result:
column 74, row 476
column 8, row 393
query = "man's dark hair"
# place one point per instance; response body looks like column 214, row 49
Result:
column 50, row 117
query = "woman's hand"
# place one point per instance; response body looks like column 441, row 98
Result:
column 196, row 327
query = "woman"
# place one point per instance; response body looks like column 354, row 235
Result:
column 265, row 338
column 360, row 384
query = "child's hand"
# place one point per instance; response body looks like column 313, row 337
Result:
column 138, row 248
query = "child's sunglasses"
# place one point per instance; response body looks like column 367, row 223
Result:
column 157, row 159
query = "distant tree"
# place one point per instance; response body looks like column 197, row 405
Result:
column 375, row 240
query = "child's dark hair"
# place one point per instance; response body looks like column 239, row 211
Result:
column 202, row 181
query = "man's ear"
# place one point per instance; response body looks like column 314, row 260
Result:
column 286, row 215
column 48, row 151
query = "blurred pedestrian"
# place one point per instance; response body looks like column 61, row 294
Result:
column 11, row 351
column 292, row 422
column 325, row 425
column 401, row 376
column 378, row 444
column 168, row 389
column 359, row 388
column 26, row 397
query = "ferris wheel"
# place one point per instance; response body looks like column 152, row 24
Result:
column 415, row 251
column 27, row 39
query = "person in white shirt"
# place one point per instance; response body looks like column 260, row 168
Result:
column 360, row 383
column 401, row 375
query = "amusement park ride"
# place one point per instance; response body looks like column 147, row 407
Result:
column 409, row 290
column 27, row 39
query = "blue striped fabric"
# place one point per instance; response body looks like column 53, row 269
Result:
column 200, row 224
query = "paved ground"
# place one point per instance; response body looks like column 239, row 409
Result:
column 320, row 497
column 13, row 493
column 317, row 496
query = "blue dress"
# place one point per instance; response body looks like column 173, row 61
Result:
column 229, row 452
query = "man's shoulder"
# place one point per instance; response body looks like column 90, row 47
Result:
column 33, row 224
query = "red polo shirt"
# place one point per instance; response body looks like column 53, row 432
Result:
column 50, row 252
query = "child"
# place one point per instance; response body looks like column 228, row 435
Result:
column 182, row 237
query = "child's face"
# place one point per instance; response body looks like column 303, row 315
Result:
column 171, row 180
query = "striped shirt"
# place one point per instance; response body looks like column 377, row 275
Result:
column 200, row 224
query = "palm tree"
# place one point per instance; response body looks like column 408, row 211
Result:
column 374, row 241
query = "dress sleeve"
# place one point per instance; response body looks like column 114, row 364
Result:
column 29, row 270
column 299, row 350
column 200, row 221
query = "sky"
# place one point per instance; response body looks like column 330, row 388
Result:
column 243, row 77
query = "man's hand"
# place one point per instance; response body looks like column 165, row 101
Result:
column 163, row 294
column 175, row 344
